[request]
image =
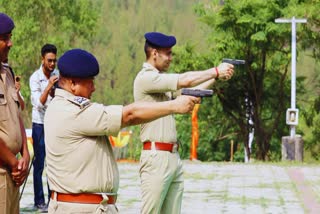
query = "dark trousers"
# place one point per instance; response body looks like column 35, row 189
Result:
column 38, row 163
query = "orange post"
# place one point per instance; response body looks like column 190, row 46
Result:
column 195, row 133
column 231, row 150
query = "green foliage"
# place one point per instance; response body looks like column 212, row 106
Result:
column 67, row 24
column 119, row 41
column 213, row 124
column 135, row 145
column 113, row 31
column 246, row 30
column 312, row 118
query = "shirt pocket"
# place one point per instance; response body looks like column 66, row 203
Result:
column 3, row 106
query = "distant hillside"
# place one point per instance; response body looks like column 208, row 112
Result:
column 120, row 40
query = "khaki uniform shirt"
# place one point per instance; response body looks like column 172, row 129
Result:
column 10, row 131
column 153, row 86
column 79, row 157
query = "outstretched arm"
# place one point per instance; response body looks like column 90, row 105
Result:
column 206, row 84
column 143, row 112
column 195, row 78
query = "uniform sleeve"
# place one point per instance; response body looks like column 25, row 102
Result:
column 154, row 82
column 22, row 97
column 98, row 120
column 114, row 117
column 35, row 88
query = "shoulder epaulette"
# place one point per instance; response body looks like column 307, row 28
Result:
column 82, row 102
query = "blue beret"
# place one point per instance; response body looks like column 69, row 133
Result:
column 78, row 63
column 6, row 24
column 160, row 40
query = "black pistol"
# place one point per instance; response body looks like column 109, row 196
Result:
column 234, row 61
column 197, row 92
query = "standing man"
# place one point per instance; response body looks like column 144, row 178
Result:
column 161, row 170
column 82, row 170
column 42, row 83
column 13, row 138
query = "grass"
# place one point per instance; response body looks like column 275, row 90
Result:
column 199, row 176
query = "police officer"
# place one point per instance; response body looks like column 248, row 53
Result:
column 161, row 170
column 82, row 170
column 13, row 171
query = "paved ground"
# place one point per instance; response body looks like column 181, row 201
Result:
column 226, row 188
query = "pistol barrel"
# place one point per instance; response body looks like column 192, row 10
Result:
column 234, row 61
column 197, row 92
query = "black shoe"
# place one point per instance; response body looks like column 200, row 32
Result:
column 42, row 208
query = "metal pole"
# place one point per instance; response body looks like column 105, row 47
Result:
column 293, row 72
column 293, row 22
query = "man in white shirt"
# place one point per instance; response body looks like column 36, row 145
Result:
column 42, row 85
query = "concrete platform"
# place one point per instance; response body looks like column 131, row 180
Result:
column 216, row 187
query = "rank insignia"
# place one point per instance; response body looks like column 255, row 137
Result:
column 81, row 101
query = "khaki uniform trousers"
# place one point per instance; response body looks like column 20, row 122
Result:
column 58, row 207
column 162, row 184
column 9, row 194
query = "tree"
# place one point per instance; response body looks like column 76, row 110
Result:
column 246, row 30
column 67, row 24
column 120, row 39
column 215, row 128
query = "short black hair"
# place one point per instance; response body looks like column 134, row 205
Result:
column 48, row 48
column 148, row 47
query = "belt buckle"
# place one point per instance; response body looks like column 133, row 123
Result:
column 174, row 148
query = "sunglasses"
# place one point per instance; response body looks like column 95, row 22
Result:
column 51, row 60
